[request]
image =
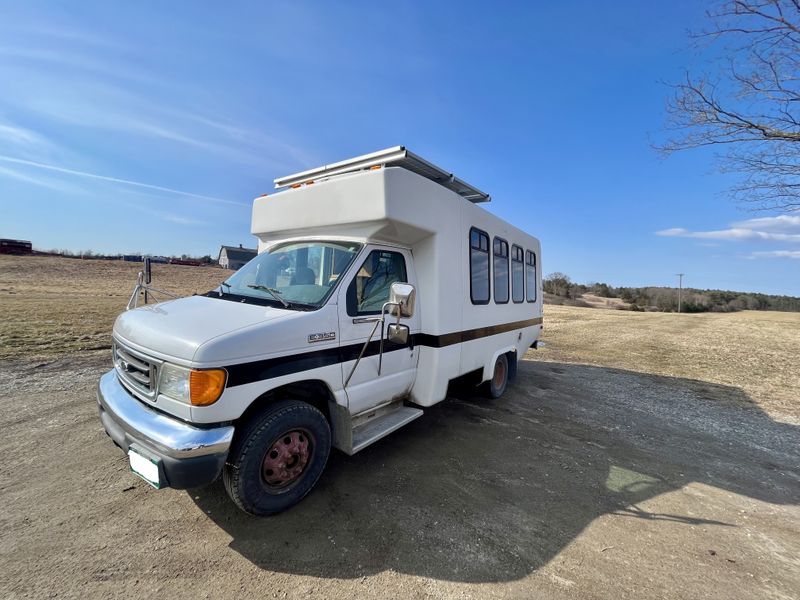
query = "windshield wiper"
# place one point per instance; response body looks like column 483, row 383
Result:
column 227, row 285
column 272, row 291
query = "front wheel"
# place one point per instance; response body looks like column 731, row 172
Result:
column 495, row 387
column 278, row 458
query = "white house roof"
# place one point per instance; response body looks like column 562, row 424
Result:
column 397, row 156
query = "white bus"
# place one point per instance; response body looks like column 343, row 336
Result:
column 378, row 281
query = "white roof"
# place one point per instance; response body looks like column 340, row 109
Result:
column 397, row 156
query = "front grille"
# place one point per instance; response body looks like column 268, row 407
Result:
column 137, row 371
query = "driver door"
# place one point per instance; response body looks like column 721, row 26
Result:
column 361, row 300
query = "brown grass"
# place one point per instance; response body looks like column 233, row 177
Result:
column 53, row 306
column 758, row 352
column 595, row 301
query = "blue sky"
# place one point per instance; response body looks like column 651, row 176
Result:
column 150, row 127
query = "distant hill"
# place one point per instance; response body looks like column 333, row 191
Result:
column 559, row 289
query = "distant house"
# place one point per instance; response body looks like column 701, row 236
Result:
column 15, row 247
column 231, row 257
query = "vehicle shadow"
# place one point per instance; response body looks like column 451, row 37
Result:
column 483, row 491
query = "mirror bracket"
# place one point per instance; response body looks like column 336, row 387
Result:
column 402, row 298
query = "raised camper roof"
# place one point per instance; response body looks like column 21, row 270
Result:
column 398, row 156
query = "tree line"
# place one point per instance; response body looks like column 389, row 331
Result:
column 91, row 254
column 665, row 299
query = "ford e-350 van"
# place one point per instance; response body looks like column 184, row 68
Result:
column 378, row 281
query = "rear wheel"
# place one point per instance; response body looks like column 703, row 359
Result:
column 495, row 387
column 278, row 457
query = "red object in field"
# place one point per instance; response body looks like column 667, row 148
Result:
column 189, row 263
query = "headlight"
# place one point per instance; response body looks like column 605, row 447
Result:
column 192, row 386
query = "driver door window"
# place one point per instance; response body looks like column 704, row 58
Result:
column 370, row 287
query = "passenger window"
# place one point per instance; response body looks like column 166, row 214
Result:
column 370, row 287
column 500, row 271
column 478, row 266
column 517, row 274
column 530, row 275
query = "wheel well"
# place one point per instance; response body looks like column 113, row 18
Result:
column 313, row 392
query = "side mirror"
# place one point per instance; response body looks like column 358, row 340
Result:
column 405, row 295
column 398, row 333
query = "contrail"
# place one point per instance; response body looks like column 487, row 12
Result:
column 148, row 186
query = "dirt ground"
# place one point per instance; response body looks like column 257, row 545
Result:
column 583, row 481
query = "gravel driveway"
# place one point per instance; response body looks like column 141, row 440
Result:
column 581, row 482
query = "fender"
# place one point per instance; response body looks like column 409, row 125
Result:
column 488, row 368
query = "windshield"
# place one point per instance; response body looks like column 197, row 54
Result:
column 295, row 273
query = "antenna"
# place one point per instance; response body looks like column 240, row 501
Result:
column 680, row 288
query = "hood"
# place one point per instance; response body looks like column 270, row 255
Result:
column 176, row 329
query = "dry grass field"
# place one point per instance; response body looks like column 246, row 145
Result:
column 55, row 306
column 757, row 352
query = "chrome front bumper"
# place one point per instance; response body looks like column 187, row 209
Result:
column 190, row 456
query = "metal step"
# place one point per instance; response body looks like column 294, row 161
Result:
column 373, row 430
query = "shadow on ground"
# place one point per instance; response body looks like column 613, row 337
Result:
column 481, row 491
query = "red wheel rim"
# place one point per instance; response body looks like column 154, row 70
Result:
column 287, row 459
column 499, row 374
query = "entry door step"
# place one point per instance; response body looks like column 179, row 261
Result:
column 373, row 430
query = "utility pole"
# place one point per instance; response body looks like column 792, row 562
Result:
column 680, row 288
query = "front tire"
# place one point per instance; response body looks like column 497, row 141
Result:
column 495, row 387
column 278, row 458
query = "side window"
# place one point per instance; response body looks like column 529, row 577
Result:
column 517, row 274
column 530, row 275
column 478, row 266
column 500, row 271
column 370, row 287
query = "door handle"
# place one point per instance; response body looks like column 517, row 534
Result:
column 359, row 320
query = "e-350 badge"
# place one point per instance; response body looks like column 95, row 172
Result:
column 321, row 337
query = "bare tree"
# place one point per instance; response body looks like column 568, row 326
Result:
column 557, row 284
column 751, row 107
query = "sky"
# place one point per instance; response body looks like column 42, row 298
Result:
column 149, row 127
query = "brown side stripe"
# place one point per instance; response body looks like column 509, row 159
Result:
column 458, row 337
column 242, row 373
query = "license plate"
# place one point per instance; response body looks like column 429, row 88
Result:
column 145, row 467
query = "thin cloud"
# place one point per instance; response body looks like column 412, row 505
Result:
column 76, row 61
column 139, row 184
column 777, row 254
column 165, row 216
column 56, row 186
column 89, row 99
column 28, row 144
column 21, row 135
column 181, row 220
column 733, row 234
column 781, row 223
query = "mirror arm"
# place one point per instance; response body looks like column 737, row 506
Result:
column 363, row 349
column 383, row 318
column 141, row 286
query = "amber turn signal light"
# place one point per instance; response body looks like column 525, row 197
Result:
column 205, row 387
